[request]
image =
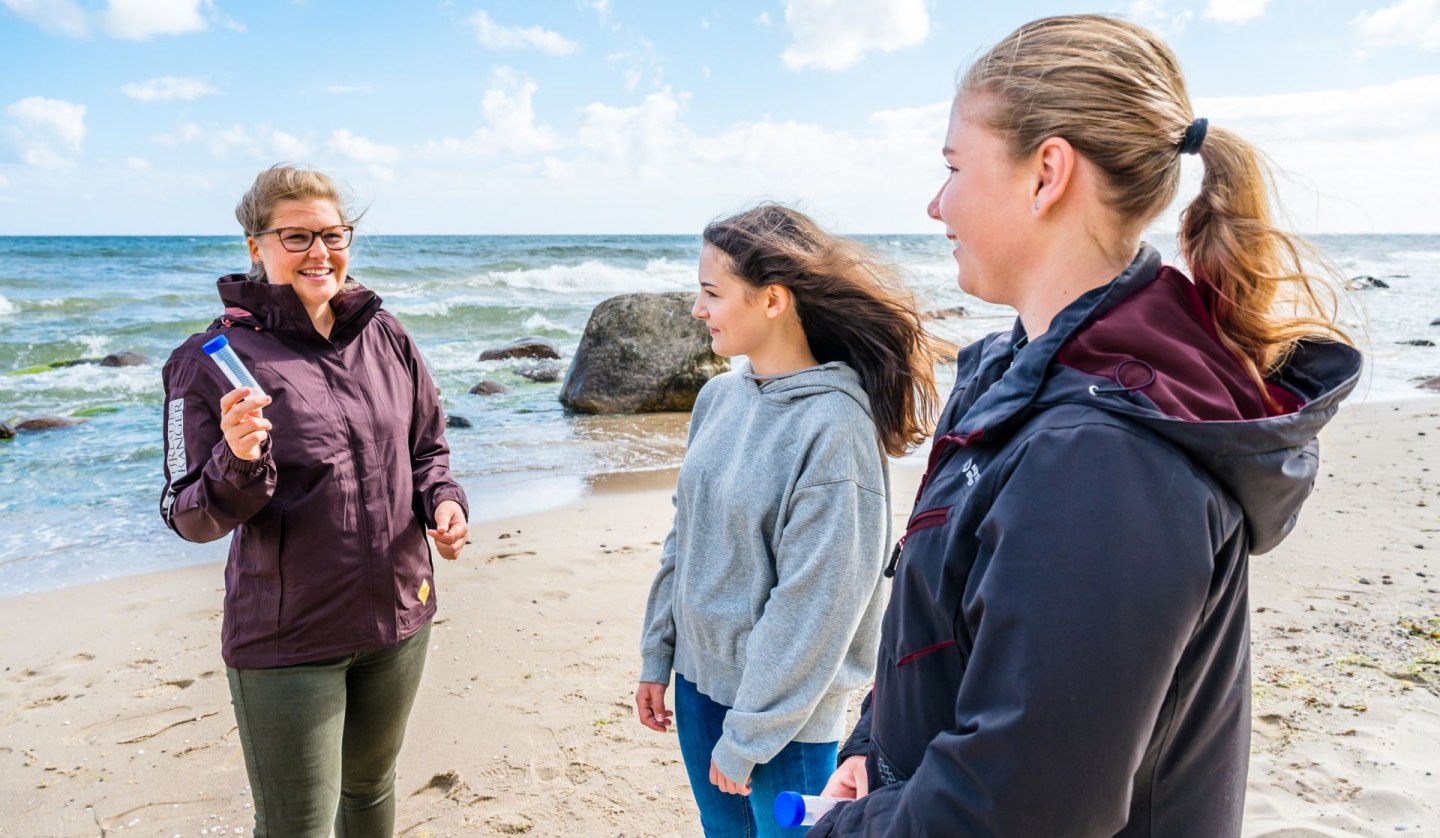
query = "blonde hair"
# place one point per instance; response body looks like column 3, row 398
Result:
column 285, row 182
column 1114, row 91
column 852, row 308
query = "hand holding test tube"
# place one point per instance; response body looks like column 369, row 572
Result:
column 245, row 432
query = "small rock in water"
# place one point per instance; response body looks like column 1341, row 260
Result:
column 1432, row 384
column 1416, row 342
column 41, row 423
column 1435, row 322
column 6, row 432
column 542, row 371
column 124, row 359
column 945, row 313
column 488, row 388
column 1362, row 283
column 526, row 347
column 458, row 422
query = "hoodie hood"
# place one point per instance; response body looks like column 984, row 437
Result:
column 1144, row 347
column 791, row 387
column 277, row 308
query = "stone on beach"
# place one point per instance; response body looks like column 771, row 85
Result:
column 489, row 387
column 1361, row 283
column 641, row 353
column 124, row 359
column 526, row 347
column 539, row 370
column 1432, row 384
column 41, row 423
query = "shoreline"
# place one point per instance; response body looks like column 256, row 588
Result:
column 114, row 710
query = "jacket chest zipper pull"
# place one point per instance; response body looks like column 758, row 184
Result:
column 894, row 558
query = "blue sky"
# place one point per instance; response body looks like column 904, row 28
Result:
column 586, row 116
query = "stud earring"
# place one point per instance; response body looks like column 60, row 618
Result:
column 1037, row 206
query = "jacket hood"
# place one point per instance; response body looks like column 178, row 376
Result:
column 830, row 377
column 277, row 308
column 1144, row 347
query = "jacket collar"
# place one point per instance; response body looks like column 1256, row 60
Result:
column 1023, row 373
column 277, row 307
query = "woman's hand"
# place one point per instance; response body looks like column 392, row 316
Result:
column 726, row 784
column 849, row 780
column 240, row 420
column 451, row 531
column 650, row 706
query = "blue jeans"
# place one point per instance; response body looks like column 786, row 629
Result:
column 800, row 766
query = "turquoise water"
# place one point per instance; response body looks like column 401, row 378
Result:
column 79, row 504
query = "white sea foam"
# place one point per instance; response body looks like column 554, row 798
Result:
column 594, row 276
column 420, row 309
column 537, row 322
column 6, row 307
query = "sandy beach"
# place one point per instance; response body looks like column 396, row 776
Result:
column 115, row 717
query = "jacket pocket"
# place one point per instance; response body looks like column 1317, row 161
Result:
column 935, row 517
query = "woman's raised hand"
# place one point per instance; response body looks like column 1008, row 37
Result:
column 240, row 420
column 451, row 530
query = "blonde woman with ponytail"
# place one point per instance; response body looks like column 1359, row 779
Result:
column 1066, row 646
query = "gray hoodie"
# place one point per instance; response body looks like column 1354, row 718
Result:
column 769, row 592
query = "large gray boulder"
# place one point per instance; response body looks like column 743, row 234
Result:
column 641, row 353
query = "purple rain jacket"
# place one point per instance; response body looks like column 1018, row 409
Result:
column 329, row 554
column 1066, row 650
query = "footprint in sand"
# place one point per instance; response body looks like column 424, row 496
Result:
column 506, row 555
column 46, row 701
column 140, row 726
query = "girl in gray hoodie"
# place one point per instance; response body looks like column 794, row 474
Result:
column 768, row 599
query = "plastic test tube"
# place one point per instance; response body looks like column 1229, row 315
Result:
column 219, row 350
column 795, row 809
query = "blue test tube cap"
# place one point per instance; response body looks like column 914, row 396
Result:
column 215, row 344
column 789, row 809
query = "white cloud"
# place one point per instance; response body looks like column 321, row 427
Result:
column 510, row 121
column 288, row 146
column 637, row 63
column 1235, row 11
column 61, row 17
column 166, row 88
column 601, row 7
column 4, row 183
column 763, row 19
column 137, row 164
column 220, row 140
column 361, row 150
column 495, row 36
column 1405, row 23
column 135, row 20
column 49, row 130
column 139, row 20
column 1157, row 15
column 835, row 34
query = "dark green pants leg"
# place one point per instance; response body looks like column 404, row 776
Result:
column 321, row 739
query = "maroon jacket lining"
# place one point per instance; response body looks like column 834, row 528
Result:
column 1167, row 326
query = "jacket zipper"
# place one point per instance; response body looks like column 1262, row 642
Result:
column 922, row 521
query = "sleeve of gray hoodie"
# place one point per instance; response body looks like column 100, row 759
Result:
column 657, row 642
column 827, row 566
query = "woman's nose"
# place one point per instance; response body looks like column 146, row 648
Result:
column 934, row 209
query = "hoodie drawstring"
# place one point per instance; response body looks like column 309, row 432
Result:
column 1120, row 385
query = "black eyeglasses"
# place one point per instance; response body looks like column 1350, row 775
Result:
column 299, row 239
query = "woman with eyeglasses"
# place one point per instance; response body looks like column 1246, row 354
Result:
column 329, row 481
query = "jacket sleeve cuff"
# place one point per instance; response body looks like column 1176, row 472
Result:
column 730, row 762
column 238, row 472
column 655, row 668
column 444, row 493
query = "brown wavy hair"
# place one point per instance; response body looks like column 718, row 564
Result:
column 1115, row 92
column 852, row 307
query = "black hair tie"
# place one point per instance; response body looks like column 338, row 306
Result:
column 1194, row 136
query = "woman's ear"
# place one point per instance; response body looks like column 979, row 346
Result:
column 254, row 249
column 777, row 300
column 1053, row 165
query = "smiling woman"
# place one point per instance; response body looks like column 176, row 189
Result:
column 328, row 588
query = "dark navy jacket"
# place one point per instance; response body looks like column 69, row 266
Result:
column 1066, row 650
